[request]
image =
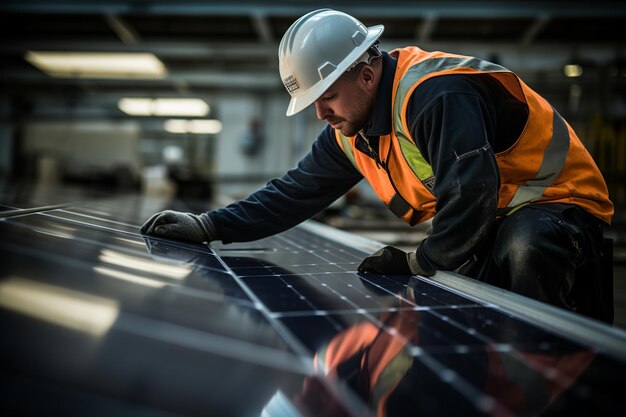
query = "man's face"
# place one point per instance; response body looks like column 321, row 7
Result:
column 346, row 105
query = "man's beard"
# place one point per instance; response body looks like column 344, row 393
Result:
column 351, row 128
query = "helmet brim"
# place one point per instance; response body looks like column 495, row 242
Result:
column 304, row 100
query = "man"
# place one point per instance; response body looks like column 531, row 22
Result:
column 515, row 198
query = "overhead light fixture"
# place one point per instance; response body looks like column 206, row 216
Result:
column 573, row 70
column 196, row 126
column 97, row 64
column 190, row 107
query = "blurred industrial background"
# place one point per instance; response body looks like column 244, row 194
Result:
column 183, row 97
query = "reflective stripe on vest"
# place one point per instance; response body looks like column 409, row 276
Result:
column 551, row 165
column 397, row 204
column 553, row 159
column 347, row 149
column 411, row 153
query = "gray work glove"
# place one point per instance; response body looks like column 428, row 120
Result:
column 181, row 226
column 392, row 261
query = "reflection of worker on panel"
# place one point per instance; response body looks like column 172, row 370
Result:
column 386, row 368
column 516, row 200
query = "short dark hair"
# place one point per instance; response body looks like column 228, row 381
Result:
column 355, row 71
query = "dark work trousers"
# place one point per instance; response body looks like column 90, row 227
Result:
column 553, row 253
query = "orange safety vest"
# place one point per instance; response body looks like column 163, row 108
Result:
column 547, row 163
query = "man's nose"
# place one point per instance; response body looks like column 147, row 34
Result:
column 321, row 109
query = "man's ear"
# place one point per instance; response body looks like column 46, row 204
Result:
column 368, row 76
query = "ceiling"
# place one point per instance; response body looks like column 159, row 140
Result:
column 208, row 46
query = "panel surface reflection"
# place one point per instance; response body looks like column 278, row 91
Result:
column 98, row 320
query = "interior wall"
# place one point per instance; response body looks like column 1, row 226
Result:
column 81, row 147
column 284, row 141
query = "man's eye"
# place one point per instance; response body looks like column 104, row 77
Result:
column 328, row 98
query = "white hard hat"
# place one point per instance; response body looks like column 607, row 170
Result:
column 316, row 49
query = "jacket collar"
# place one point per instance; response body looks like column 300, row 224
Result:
column 380, row 122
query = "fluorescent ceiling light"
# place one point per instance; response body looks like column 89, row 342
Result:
column 176, row 126
column 573, row 70
column 136, row 106
column 97, row 64
column 190, row 107
column 180, row 107
column 196, row 126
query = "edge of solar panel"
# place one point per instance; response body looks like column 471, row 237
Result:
column 600, row 336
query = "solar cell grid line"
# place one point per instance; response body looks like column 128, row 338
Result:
column 260, row 279
column 98, row 218
column 314, row 244
column 484, row 403
column 315, row 293
column 284, row 333
column 86, row 223
column 352, row 287
column 297, row 293
column 324, row 258
column 344, row 284
column 424, row 293
column 14, row 212
column 335, row 292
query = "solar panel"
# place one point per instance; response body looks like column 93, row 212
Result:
column 97, row 320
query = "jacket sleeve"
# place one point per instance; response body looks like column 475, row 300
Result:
column 454, row 131
column 321, row 177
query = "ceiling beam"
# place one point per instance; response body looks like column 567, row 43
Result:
column 127, row 34
column 251, row 50
column 414, row 8
column 262, row 27
column 179, row 80
column 534, row 29
column 427, row 28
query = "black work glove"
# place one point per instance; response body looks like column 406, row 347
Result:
column 181, row 226
column 393, row 261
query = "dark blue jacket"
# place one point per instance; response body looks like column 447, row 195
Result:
column 448, row 116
